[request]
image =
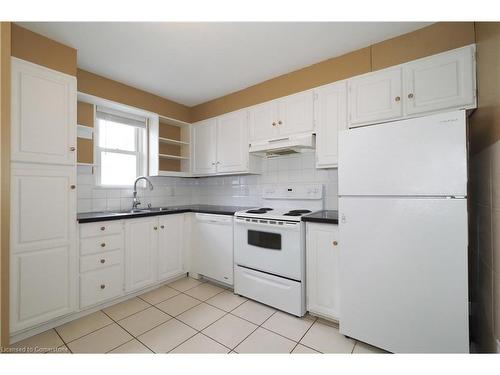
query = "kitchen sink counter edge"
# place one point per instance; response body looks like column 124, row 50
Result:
column 323, row 216
column 91, row 217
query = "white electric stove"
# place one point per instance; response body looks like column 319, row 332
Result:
column 269, row 247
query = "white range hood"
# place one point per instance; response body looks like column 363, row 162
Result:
column 285, row 145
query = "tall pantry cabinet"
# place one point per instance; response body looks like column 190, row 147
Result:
column 43, row 195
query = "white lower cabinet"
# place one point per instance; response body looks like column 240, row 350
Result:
column 322, row 270
column 170, row 246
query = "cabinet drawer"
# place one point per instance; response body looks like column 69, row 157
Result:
column 99, row 261
column 101, row 228
column 99, row 286
column 100, row 244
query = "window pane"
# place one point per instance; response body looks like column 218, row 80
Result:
column 118, row 169
column 117, row 136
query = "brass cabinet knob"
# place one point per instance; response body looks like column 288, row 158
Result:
column 103, row 286
column 397, row 98
column 410, row 96
column 103, row 228
column 155, row 228
column 162, row 227
column 274, row 124
column 103, row 261
column 279, row 123
column 103, row 244
column 72, row 187
column 72, row 148
column 335, row 243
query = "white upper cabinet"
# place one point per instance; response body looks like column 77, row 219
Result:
column 289, row 115
column 331, row 117
column 442, row 81
column 43, row 115
column 263, row 121
column 296, row 113
column 204, row 148
column 170, row 246
column 232, row 142
column 375, row 97
column 141, row 246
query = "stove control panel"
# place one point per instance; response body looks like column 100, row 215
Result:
column 293, row 192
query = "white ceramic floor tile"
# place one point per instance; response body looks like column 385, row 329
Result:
column 126, row 308
column 327, row 339
column 85, row 325
column 288, row 325
column 229, row 330
column 362, row 348
column 167, row 336
column 131, row 347
column 144, row 320
column 184, row 284
column 159, row 294
column 253, row 311
column 101, row 341
column 226, row 301
column 204, row 291
column 264, row 341
column 200, row 344
column 42, row 343
column 301, row 349
column 201, row 316
column 178, row 304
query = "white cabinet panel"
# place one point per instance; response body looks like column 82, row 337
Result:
column 141, row 245
column 232, row 142
column 204, row 148
column 323, row 277
column 43, row 206
column 101, row 285
column 375, row 97
column 331, row 117
column 263, row 121
column 441, row 81
column 43, row 114
column 42, row 286
column 170, row 246
column 296, row 113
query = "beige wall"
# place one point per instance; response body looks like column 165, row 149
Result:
column 430, row 40
column 484, row 199
column 5, row 31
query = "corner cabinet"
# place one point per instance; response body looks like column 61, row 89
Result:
column 331, row 116
column 322, row 270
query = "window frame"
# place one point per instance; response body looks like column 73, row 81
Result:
column 141, row 146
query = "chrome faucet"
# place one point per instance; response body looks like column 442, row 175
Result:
column 136, row 201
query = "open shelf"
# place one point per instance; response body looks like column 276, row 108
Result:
column 175, row 157
column 172, row 141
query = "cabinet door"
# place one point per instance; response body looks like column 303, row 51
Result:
column 232, row 142
column 263, row 121
column 141, row 244
column 439, row 82
column 43, row 115
column 296, row 113
column 331, row 117
column 322, row 259
column 375, row 97
column 43, row 285
column 204, row 151
column 170, row 246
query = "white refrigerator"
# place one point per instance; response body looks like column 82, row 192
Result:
column 403, row 234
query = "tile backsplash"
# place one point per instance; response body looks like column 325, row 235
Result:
column 245, row 190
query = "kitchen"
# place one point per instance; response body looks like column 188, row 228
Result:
column 336, row 207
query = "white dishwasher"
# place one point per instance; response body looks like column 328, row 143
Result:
column 213, row 247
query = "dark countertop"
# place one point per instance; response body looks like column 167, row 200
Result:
column 325, row 216
column 91, row 217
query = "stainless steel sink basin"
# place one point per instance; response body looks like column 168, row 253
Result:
column 152, row 209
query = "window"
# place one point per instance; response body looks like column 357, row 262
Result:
column 120, row 147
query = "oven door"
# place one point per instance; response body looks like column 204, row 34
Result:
column 273, row 248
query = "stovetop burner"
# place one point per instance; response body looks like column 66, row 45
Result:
column 259, row 210
column 296, row 212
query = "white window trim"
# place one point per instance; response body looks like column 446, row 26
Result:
column 141, row 157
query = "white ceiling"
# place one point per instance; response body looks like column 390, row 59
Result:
column 191, row 63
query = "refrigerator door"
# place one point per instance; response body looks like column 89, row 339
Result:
column 423, row 156
column 404, row 273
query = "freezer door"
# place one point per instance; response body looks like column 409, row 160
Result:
column 424, row 156
column 404, row 273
